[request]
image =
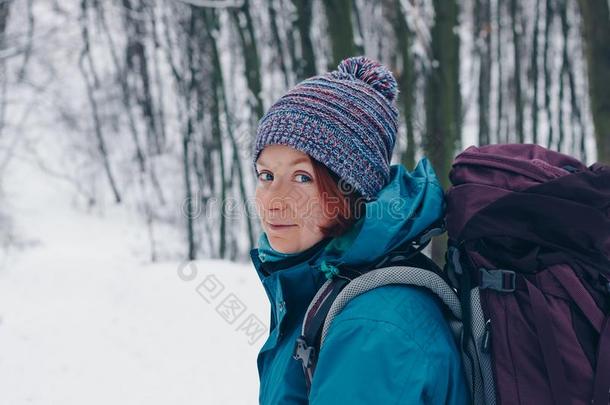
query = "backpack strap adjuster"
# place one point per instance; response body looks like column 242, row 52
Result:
column 498, row 280
column 453, row 259
column 304, row 352
column 605, row 283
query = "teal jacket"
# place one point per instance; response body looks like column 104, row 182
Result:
column 390, row 345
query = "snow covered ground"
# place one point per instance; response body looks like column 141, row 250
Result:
column 84, row 319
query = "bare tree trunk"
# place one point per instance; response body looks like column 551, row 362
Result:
column 187, row 136
column 547, row 74
column 137, row 68
column 596, row 34
column 143, row 162
column 27, row 53
column 158, row 78
column 211, row 25
column 304, row 63
column 443, row 100
column 483, row 33
column 578, row 142
column 564, row 71
column 237, row 164
column 534, row 73
column 502, row 126
column 271, row 9
column 340, row 30
column 405, row 77
column 5, row 8
column 91, row 83
column 121, row 76
column 357, row 33
column 517, row 29
column 188, row 193
column 245, row 29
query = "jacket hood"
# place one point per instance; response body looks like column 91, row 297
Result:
column 406, row 207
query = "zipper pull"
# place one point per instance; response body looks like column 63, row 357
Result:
column 329, row 270
column 487, row 337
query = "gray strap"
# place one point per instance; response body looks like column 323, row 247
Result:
column 394, row 275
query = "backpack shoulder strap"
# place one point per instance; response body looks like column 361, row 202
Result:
column 332, row 297
column 306, row 345
column 407, row 275
column 476, row 367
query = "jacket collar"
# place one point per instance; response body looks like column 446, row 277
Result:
column 291, row 283
column 267, row 267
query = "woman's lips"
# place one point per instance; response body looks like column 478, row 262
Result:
column 279, row 227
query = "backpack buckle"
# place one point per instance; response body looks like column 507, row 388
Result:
column 304, row 352
column 429, row 234
column 498, row 280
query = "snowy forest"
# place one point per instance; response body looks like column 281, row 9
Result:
column 152, row 105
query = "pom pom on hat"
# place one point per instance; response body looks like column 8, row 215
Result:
column 369, row 71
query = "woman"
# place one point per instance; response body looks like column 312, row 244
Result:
column 328, row 197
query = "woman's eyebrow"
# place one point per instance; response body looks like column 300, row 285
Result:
column 294, row 162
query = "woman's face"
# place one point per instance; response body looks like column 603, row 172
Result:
column 288, row 200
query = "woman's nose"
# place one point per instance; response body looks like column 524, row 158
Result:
column 279, row 194
column 286, row 196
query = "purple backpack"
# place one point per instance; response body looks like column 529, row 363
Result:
column 529, row 253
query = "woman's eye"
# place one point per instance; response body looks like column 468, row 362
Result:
column 303, row 178
column 261, row 176
column 300, row 178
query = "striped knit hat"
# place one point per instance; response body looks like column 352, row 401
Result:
column 345, row 119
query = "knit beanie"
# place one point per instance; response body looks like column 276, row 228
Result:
column 346, row 119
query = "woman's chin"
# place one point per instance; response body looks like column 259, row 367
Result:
column 283, row 247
